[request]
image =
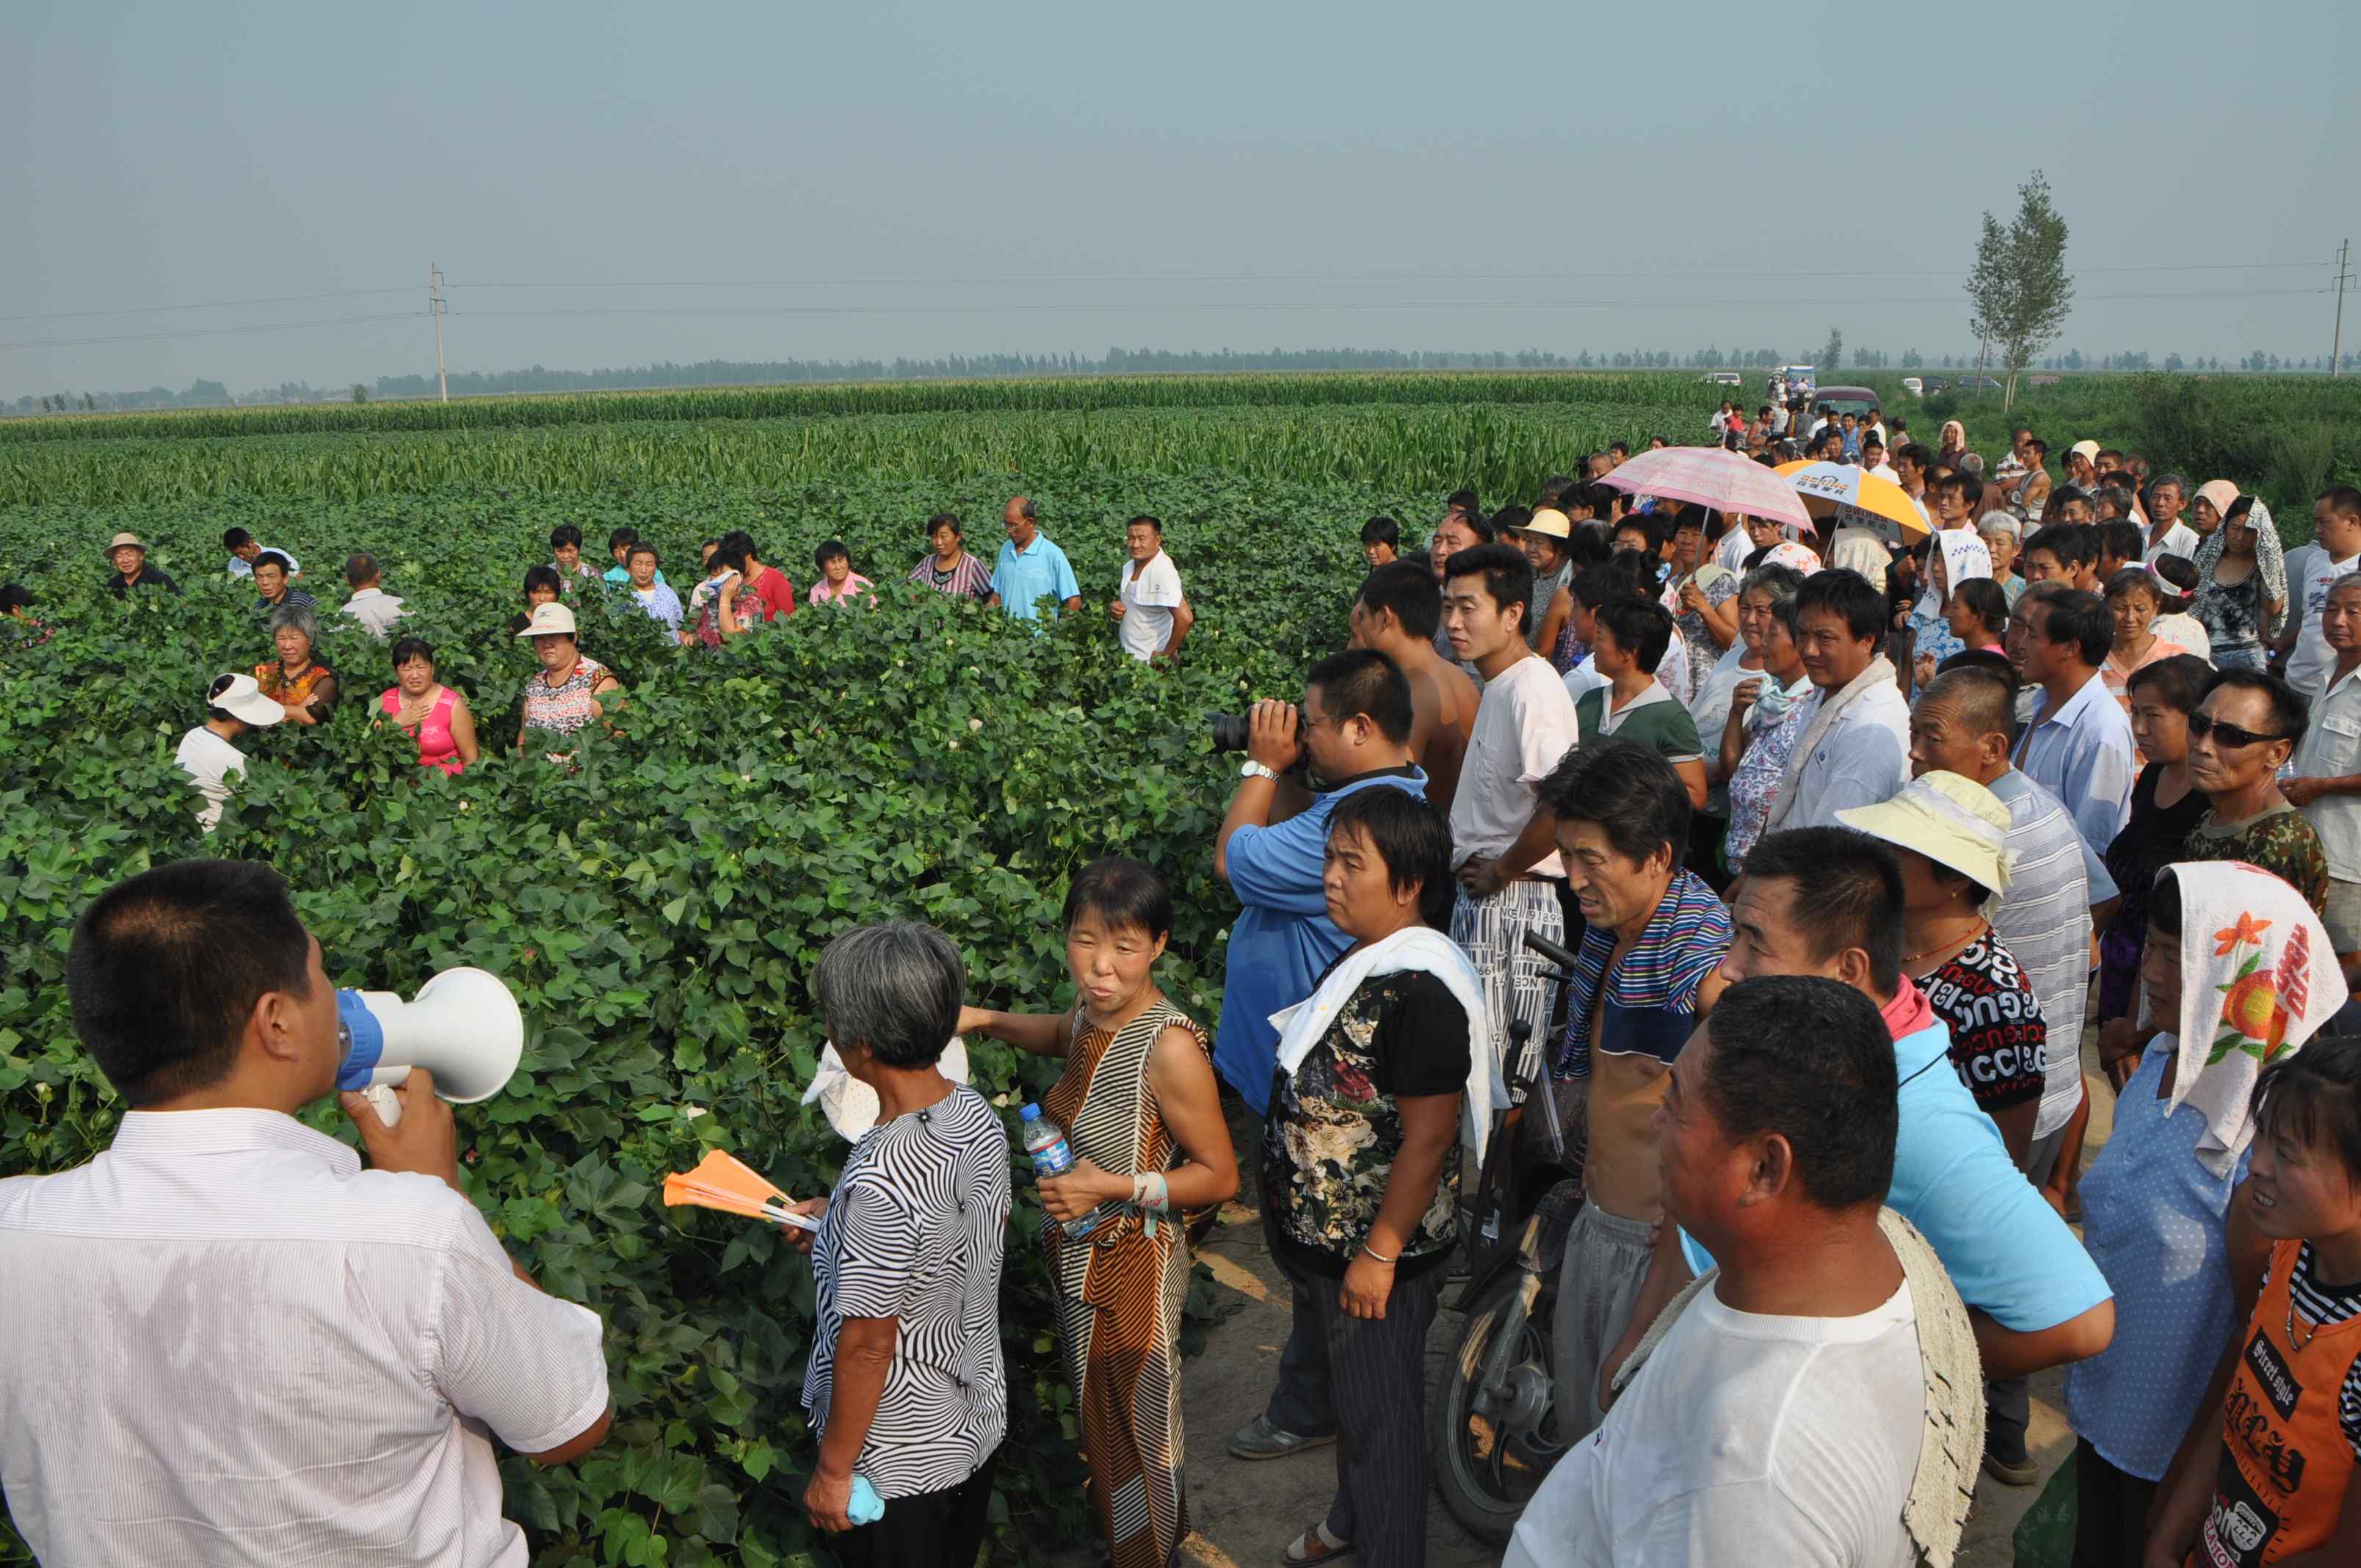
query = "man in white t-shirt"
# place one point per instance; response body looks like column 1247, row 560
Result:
column 234, row 705
column 1503, row 843
column 2336, row 528
column 243, row 548
column 1779, row 1417
column 1152, row 615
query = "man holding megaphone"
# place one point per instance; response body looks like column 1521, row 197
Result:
column 226, row 1340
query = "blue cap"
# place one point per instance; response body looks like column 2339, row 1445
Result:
column 1030, row 1113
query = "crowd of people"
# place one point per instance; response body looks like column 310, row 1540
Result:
column 1851, row 833
column 737, row 592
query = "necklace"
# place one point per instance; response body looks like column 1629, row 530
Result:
column 1982, row 926
column 2294, row 1343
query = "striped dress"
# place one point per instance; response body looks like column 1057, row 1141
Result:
column 1120, row 1292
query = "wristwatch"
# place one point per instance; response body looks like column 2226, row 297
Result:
column 1254, row 770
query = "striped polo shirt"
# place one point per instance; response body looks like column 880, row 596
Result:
column 1649, row 1003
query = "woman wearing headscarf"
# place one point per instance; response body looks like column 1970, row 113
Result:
column 1950, row 442
column 2241, row 971
column 1958, row 556
column 2242, row 591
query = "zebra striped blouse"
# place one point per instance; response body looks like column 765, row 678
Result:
column 914, row 1232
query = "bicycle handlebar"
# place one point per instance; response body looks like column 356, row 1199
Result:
column 1552, row 951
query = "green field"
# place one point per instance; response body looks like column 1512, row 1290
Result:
column 659, row 911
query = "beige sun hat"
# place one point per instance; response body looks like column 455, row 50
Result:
column 2087, row 450
column 549, row 620
column 120, row 539
column 244, row 699
column 1952, row 820
column 1550, row 521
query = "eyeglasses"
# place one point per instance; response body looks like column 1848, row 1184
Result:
column 2201, row 725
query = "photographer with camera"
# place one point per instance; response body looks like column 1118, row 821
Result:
column 226, row 1341
column 1354, row 729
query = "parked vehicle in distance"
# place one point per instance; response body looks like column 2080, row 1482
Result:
column 1723, row 378
column 1847, row 400
column 1914, row 386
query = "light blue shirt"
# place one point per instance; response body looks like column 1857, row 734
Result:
column 659, row 602
column 623, row 574
column 2082, row 754
column 2153, row 1219
column 1039, row 570
column 1283, row 941
column 2004, row 1247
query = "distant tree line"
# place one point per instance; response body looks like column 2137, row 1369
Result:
column 1114, row 362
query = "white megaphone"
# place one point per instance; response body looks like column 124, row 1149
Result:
column 462, row 1027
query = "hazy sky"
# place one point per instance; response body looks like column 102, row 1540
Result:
column 1221, row 174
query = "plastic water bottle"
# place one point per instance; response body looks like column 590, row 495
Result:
column 1053, row 1155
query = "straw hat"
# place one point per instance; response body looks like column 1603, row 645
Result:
column 1550, row 521
column 1953, row 821
column 244, row 699
column 120, row 539
column 549, row 619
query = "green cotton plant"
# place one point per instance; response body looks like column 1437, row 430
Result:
column 658, row 911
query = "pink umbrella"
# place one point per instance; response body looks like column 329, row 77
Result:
column 1712, row 476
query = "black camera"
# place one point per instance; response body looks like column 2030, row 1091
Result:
column 1230, row 730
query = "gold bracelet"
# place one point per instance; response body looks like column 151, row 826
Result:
column 1381, row 1257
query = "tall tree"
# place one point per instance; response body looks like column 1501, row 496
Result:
column 1832, row 351
column 2019, row 292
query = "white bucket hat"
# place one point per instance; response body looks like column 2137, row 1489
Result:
column 243, row 698
column 1952, row 820
column 549, row 620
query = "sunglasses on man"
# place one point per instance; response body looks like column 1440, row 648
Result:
column 2225, row 734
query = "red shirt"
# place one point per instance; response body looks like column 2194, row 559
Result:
column 778, row 594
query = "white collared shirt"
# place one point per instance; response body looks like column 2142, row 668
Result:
column 374, row 608
column 2332, row 749
column 2082, row 754
column 1862, row 759
column 228, row 1342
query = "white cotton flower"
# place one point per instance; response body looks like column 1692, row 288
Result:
column 975, row 724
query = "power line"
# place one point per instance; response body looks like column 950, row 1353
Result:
column 210, row 305
column 1324, row 278
column 1350, row 277
column 209, row 330
column 1067, row 306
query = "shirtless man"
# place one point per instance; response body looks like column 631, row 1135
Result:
column 1656, row 935
column 1396, row 614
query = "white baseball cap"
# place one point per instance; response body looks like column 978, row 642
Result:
column 549, row 620
column 243, row 698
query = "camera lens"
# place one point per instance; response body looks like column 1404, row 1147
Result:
column 1229, row 732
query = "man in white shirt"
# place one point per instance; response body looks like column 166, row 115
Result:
column 2327, row 788
column 2167, row 534
column 1503, row 844
column 1152, row 615
column 235, row 705
column 1873, row 457
column 2337, row 529
column 2078, row 744
column 243, row 549
column 1854, row 748
column 1779, row 1418
column 226, row 1341
column 369, row 604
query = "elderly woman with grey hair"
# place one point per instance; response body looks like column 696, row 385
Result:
column 2003, row 535
column 298, row 680
column 905, row 1385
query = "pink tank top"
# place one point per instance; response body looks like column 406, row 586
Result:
column 436, row 749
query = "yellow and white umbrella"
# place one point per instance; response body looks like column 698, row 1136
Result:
column 1853, row 496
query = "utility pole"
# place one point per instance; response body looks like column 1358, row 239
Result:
column 2336, row 345
column 435, row 305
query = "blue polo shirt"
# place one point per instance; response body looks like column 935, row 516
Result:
column 2004, row 1247
column 1039, row 570
column 1283, row 941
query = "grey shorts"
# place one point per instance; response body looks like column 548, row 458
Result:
column 2343, row 917
column 1606, row 1262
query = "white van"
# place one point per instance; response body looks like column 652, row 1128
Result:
column 1914, row 386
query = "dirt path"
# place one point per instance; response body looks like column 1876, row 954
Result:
column 1245, row 1513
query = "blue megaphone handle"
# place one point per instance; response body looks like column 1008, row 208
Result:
column 364, row 1041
